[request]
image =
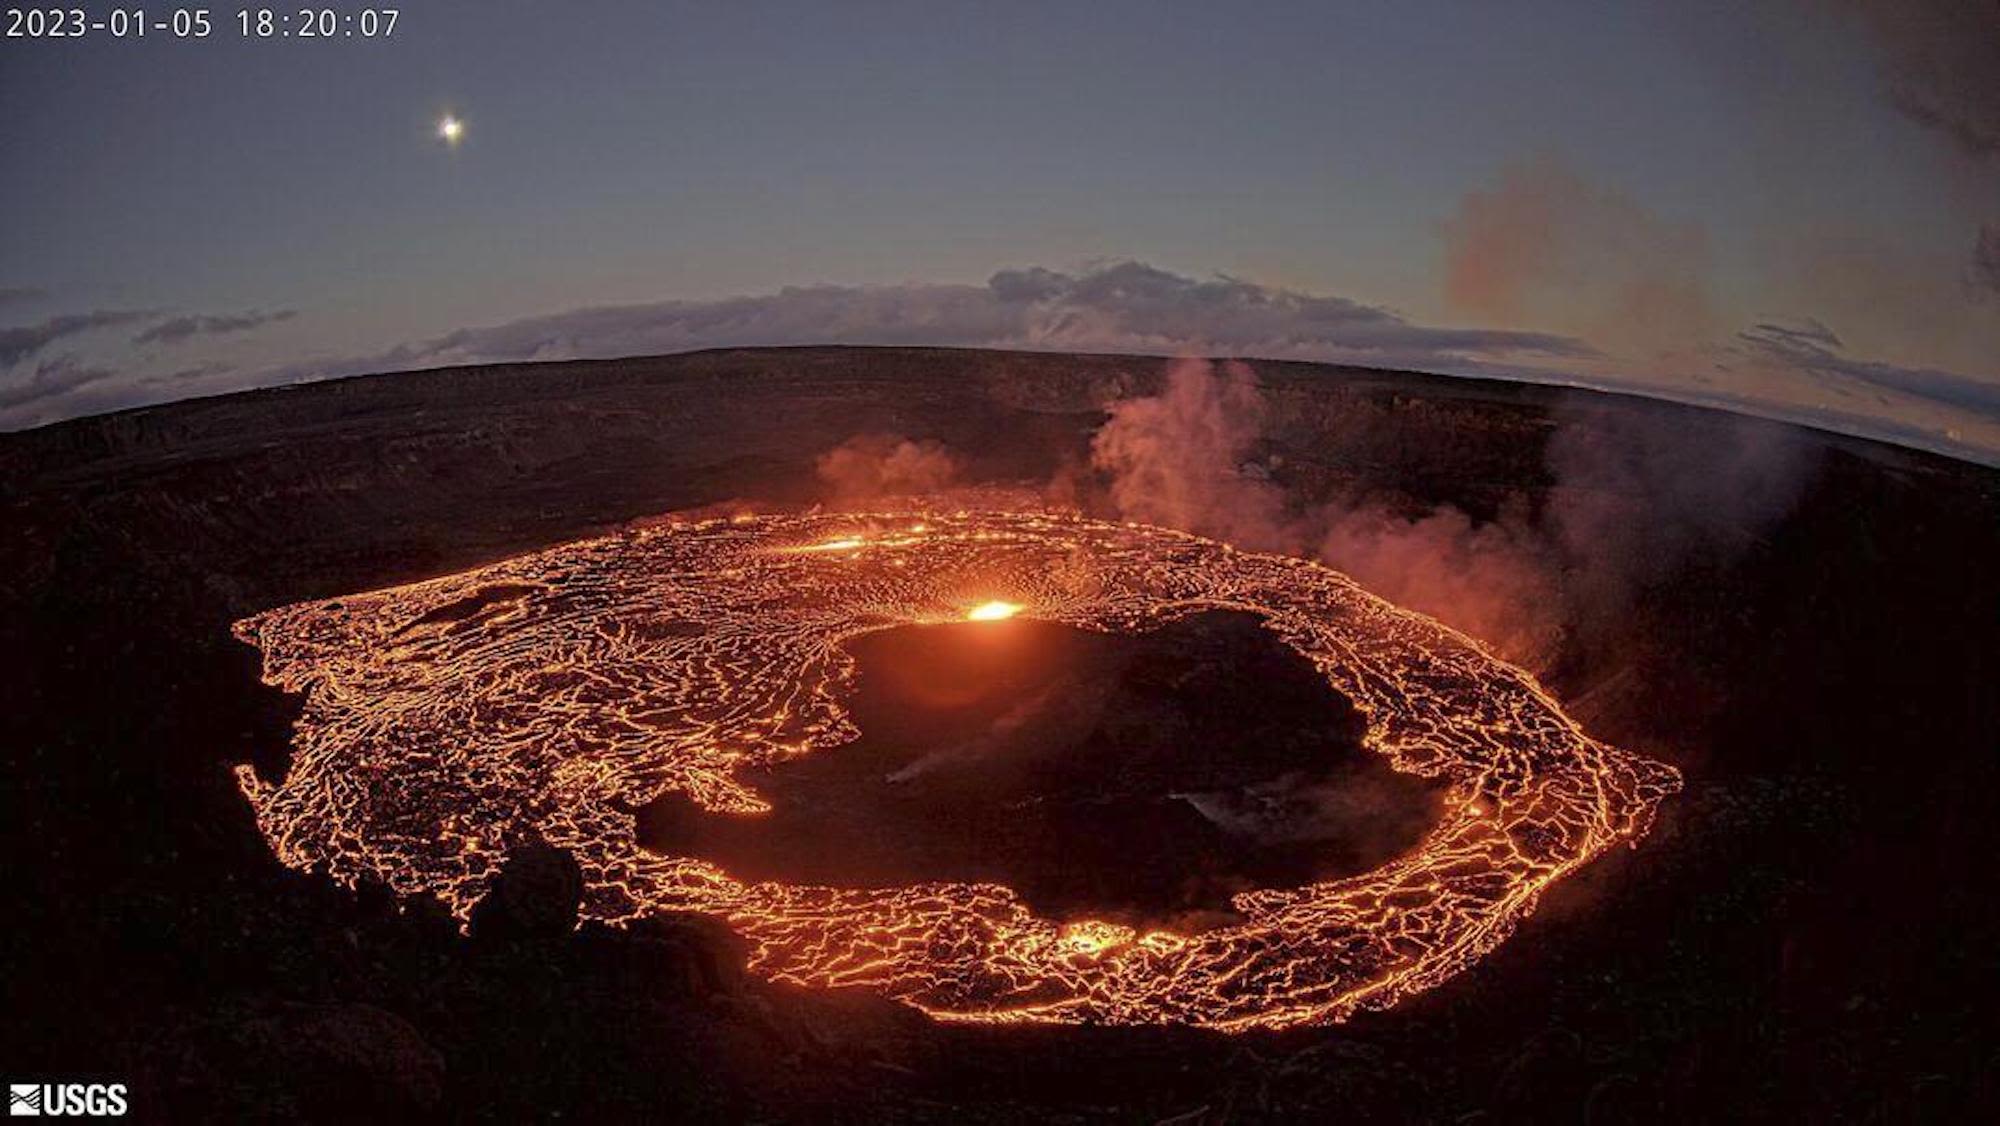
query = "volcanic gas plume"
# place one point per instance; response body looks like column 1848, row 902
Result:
column 553, row 694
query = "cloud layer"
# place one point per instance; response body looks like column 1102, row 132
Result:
column 1516, row 239
column 60, row 375
column 181, row 328
column 17, row 344
column 1814, row 349
column 1124, row 306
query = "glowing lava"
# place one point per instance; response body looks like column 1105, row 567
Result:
column 552, row 694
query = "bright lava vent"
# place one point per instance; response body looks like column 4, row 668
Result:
column 995, row 611
column 552, row 694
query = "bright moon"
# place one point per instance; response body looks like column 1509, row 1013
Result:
column 450, row 129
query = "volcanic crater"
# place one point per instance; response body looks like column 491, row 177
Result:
column 1138, row 777
column 452, row 722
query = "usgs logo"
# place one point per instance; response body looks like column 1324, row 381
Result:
column 89, row 1100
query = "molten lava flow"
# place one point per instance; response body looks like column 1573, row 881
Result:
column 554, row 693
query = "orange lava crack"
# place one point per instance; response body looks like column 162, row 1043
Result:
column 553, row 693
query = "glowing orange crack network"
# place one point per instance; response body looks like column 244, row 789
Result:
column 553, row 693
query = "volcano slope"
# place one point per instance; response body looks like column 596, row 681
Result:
column 1804, row 932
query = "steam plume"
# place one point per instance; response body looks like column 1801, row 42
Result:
column 1634, row 497
column 1546, row 246
column 870, row 466
column 1183, row 459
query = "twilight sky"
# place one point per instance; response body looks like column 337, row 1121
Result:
column 1788, row 206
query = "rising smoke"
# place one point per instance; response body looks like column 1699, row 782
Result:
column 1634, row 497
column 1183, row 459
column 1546, row 246
column 871, row 467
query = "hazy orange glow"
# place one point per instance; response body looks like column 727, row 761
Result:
column 842, row 543
column 552, row 694
column 992, row 611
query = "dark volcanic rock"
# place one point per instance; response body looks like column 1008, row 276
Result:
column 535, row 896
column 1808, row 934
column 342, row 1062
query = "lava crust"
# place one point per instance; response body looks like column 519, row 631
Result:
column 552, row 695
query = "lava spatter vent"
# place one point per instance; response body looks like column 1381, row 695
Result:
column 553, row 694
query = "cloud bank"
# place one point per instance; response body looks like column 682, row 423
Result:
column 1512, row 241
column 181, row 328
column 17, row 344
column 1813, row 348
column 1124, row 306
column 60, row 375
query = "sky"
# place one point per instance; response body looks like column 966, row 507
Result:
column 1786, row 207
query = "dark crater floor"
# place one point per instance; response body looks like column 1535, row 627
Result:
column 1145, row 777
